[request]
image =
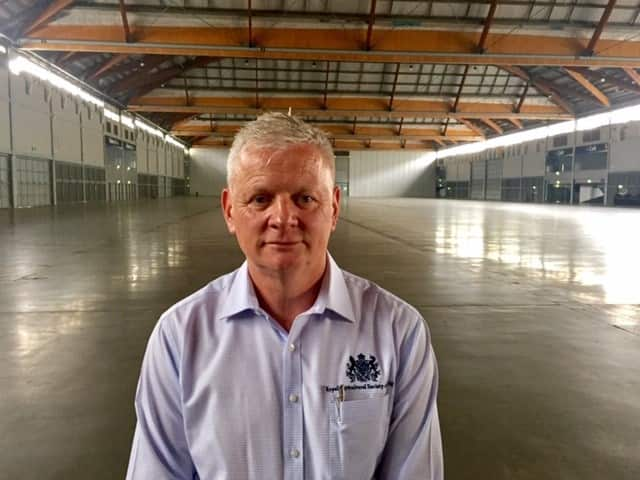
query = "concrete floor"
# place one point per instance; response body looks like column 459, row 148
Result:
column 534, row 310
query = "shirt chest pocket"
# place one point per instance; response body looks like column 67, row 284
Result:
column 358, row 428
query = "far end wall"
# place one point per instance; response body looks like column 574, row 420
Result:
column 208, row 171
column 371, row 173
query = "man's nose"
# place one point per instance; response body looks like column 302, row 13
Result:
column 284, row 213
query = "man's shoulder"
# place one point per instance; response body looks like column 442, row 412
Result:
column 202, row 302
column 367, row 295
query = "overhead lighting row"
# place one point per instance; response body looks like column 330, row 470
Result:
column 20, row 64
column 612, row 117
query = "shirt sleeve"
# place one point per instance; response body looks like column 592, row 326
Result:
column 414, row 446
column 160, row 449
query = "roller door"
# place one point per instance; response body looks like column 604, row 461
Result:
column 478, row 178
column 33, row 181
column 494, row 179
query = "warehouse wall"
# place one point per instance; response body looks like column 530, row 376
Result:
column 208, row 171
column 52, row 150
column 526, row 175
column 390, row 174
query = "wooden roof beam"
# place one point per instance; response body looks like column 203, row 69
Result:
column 51, row 11
column 125, row 21
column 522, row 98
column 106, row 66
column 482, row 44
column 633, row 75
column 146, row 84
column 518, row 124
column 141, row 76
column 200, row 108
column 471, row 126
column 393, row 89
column 401, row 45
column 590, row 50
column 372, row 19
column 590, row 87
column 493, row 125
column 540, row 85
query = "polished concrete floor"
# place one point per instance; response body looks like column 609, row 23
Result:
column 534, row 310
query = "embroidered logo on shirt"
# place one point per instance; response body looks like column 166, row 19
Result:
column 362, row 369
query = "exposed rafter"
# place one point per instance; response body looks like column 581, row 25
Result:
column 47, row 15
column 125, row 21
column 482, row 44
column 326, row 86
column 393, row 89
column 250, row 26
column 106, row 66
column 339, row 107
column 141, row 75
column 633, row 75
column 590, row 87
column 540, row 85
column 372, row 20
column 518, row 124
column 590, row 50
column 522, row 98
column 393, row 46
column 493, row 125
column 470, row 126
column 144, row 84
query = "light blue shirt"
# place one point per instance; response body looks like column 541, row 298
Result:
column 349, row 393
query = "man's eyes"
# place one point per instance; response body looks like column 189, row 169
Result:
column 264, row 199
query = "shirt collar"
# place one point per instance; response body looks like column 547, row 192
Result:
column 333, row 295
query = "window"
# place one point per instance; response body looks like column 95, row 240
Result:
column 526, row 148
column 108, row 127
column 115, row 129
column 560, row 141
column 591, row 135
column 27, row 87
column 62, row 102
column 624, row 131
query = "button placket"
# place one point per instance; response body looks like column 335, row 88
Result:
column 292, row 411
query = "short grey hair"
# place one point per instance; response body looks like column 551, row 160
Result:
column 278, row 130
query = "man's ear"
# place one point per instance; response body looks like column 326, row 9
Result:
column 227, row 210
column 337, row 194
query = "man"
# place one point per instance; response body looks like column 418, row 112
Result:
column 287, row 368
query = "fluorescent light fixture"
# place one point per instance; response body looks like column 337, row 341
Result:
column 20, row 64
column 3, row 49
column 127, row 121
column 561, row 128
column 593, row 121
column 148, row 128
column 173, row 141
column 111, row 115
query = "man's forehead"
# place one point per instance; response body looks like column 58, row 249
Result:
column 305, row 154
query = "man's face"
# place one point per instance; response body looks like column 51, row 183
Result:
column 282, row 207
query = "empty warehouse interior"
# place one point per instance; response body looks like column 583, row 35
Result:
column 487, row 153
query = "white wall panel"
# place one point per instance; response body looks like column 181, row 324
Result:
column 92, row 142
column 390, row 174
column 152, row 156
column 142, row 153
column 30, row 117
column 208, row 171
column 162, row 159
column 512, row 167
column 66, row 128
column 5, row 131
column 533, row 163
column 625, row 148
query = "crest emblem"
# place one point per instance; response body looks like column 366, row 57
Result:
column 361, row 369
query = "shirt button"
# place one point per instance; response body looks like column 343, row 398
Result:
column 293, row 398
column 292, row 347
column 294, row 453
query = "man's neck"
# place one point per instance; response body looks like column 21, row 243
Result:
column 287, row 294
